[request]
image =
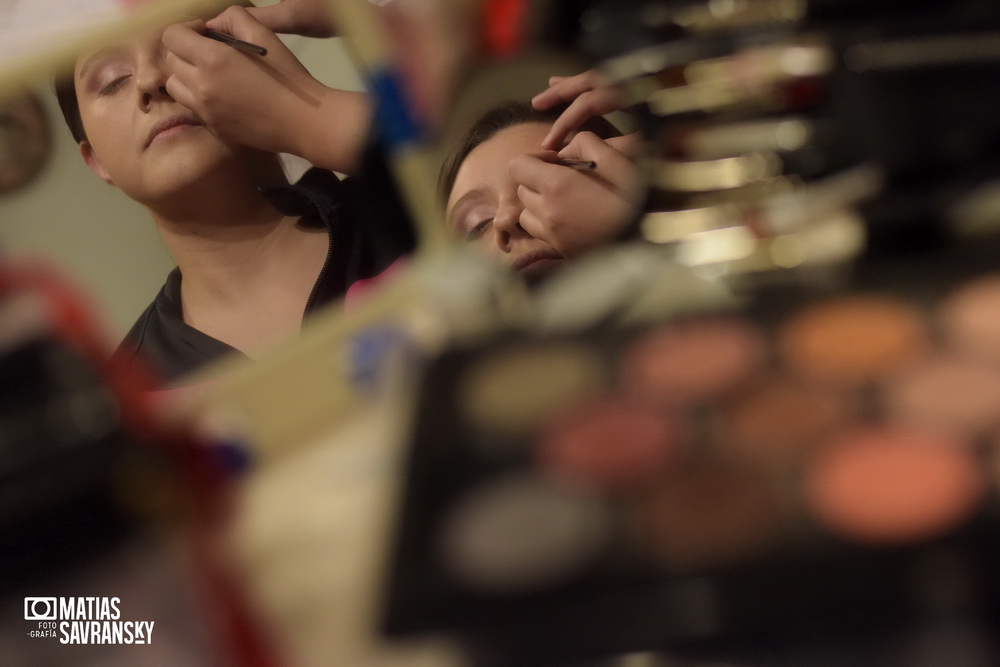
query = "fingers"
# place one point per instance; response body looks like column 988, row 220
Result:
column 279, row 17
column 629, row 144
column 586, row 105
column 176, row 84
column 613, row 166
column 589, row 146
column 238, row 22
column 587, row 95
column 532, row 200
column 535, row 226
column 310, row 18
column 185, row 40
column 187, row 87
column 534, row 170
column 563, row 89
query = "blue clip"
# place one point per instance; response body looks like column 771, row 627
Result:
column 396, row 125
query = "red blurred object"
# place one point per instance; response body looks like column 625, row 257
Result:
column 67, row 322
column 503, row 29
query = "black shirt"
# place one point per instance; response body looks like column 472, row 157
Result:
column 365, row 238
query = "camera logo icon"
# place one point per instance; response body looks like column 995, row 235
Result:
column 40, row 609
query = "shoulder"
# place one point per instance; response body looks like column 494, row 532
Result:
column 132, row 345
column 161, row 340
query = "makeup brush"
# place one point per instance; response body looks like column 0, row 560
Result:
column 239, row 44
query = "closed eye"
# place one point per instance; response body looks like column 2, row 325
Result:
column 114, row 86
column 478, row 230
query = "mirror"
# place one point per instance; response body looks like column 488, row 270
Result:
column 106, row 241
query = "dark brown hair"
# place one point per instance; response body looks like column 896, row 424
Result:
column 69, row 105
column 499, row 118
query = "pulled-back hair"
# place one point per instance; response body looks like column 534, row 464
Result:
column 500, row 118
column 65, row 90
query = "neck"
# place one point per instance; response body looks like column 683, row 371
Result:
column 247, row 269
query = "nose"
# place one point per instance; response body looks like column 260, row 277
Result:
column 151, row 77
column 507, row 223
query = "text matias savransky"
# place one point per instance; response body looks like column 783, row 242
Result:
column 85, row 620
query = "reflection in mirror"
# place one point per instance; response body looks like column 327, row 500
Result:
column 532, row 175
column 179, row 126
column 103, row 235
column 752, row 425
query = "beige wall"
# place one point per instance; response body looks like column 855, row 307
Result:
column 97, row 236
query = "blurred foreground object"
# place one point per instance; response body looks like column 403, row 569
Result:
column 24, row 141
column 39, row 35
column 101, row 499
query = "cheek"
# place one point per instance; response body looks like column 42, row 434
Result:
column 486, row 245
column 108, row 138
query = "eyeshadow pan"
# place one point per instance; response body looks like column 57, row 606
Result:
column 514, row 389
column 609, row 443
column 971, row 318
column 706, row 517
column 853, row 340
column 692, row 361
column 781, row 418
column 947, row 392
column 892, row 484
column 520, row 532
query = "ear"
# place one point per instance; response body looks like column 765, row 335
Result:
column 90, row 157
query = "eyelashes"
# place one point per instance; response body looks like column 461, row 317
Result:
column 114, row 86
column 478, row 230
column 477, row 219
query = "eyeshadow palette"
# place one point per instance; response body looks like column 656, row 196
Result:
column 814, row 468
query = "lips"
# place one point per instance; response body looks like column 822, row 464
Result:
column 535, row 260
column 168, row 123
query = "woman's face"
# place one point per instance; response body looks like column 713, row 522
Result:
column 138, row 137
column 483, row 206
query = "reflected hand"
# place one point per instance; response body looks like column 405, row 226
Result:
column 297, row 17
column 270, row 102
column 588, row 95
column 576, row 210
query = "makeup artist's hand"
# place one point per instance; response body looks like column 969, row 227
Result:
column 431, row 39
column 587, row 94
column 270, row 102
column 575, row 210
column 297, row 17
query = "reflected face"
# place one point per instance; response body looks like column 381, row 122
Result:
column 483, row 207
column 138, row 137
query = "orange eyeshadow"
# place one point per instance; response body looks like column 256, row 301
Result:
column 777, row 421
column 609, row 443
column 853, row 340
column 893, row 484
column 695, row 361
